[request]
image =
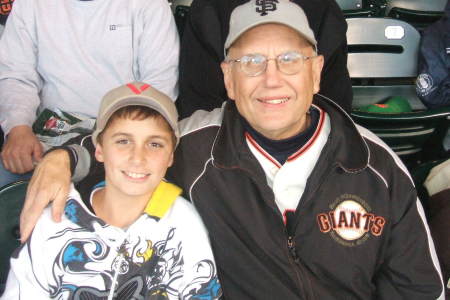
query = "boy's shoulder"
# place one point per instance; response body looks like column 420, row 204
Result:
column 184, row 213
column 184, row 206
column 73, row 205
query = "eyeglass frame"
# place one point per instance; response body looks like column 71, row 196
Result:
column 267, row 59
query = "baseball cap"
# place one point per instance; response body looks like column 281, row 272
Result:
column 136, row 93
column 257, row 12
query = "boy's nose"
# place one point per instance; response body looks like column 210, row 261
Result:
column 138, row 154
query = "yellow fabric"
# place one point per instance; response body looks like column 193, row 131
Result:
column 162, row 199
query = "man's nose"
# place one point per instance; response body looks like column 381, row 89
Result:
column 272, row 75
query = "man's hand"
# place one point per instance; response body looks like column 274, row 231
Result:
column 21, row 150
column 50, row 182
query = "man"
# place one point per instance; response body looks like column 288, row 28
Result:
column 64, row 56
column 300, row 203
column 201, row 52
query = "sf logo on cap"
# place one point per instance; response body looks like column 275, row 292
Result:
column 264, row 6
column 5, row 7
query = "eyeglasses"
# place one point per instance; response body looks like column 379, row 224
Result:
column 288, row 63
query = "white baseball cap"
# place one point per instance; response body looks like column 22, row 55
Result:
column 136, row 93
column 257, row 12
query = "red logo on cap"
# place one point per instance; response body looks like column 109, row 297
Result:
column 134, row 88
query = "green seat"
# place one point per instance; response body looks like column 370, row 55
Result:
column 382, row 63
column 180, row 9
column 11, row 201
column 419, row 13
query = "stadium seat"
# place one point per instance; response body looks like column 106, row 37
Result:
column 180, row 9
column 419, row 13
column 416, row 136
column 11, row 202
column 382, row 63
column 352, row 7
column 362, row 8
column 382, row 50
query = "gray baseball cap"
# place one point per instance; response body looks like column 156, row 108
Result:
column 257, row 12
column 136, row 93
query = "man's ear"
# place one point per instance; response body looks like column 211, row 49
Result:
column 99, row 152
column 317, row 65
column 228, row 79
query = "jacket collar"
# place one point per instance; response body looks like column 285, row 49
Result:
column 350, row 151
column 162, row 199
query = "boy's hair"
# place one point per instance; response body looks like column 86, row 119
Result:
column 137, row 113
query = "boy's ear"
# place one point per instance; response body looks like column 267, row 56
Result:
column 171, row 160
column 99, row 153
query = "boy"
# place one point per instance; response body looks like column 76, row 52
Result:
column 116, row 243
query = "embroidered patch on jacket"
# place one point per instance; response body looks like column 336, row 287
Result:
column 350, row 221
column 424, row 84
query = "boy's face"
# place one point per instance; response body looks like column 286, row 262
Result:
column 136, row 155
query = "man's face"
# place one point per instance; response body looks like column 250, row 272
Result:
column 273, row 103
column 136, row 155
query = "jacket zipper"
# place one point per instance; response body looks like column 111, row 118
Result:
column 293, row 257
column 291, row 247
column 292, row 254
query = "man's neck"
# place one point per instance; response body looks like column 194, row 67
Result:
column 282, row 149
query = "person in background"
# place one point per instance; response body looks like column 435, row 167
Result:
column 5, row 9
column 299, row 201
column 133, row 237
column 201, row 52
column 433, row 82
column 57, row 59
column 437, row 184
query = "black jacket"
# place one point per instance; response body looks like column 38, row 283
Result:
column 256, row 257
column 201, row 79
